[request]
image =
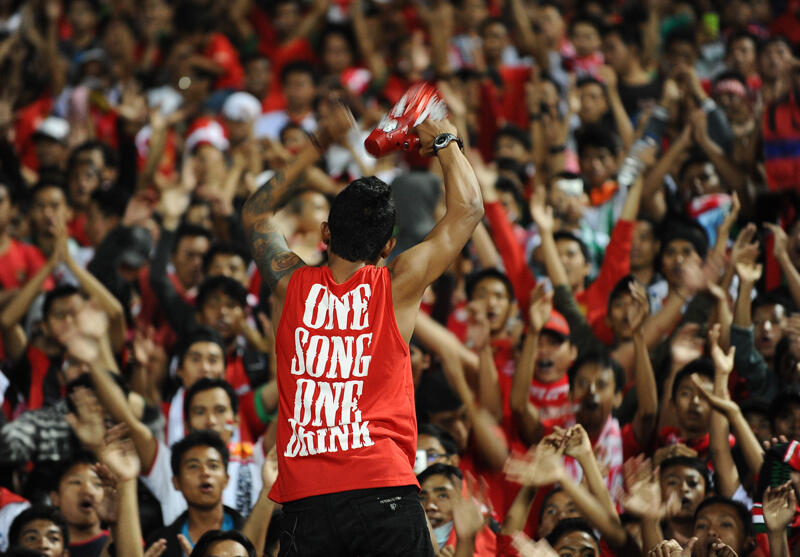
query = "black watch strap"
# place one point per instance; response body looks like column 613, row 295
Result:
column 444, row 139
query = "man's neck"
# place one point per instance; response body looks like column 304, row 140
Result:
column 342, row 269
column 201, row 520
column 79, row 535
column 5, row 241
column 644, row 274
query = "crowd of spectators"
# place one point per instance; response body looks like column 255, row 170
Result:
column 611, row 365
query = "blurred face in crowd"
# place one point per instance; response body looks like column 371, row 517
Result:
column 616, row 53
column 83, row 180
column 295, row 139
column 575, row 264
column 49, row 208
column 238, row 131
column 202, row 477
column 299, row 91
column 43, row 536
column 220, row 312
column 438, row 495
column 598, row 164
column 684, row 487
column 49, row 152
column 585, row 38
column 82, row 17
column 699, row 179
column 420, row 361
column 287, row 18
column 203, row 359
column 493, row 292
column 675, row 255
column 736, row 107
column 79, row 493
column 621, row 308
column 742, row 56
column 257, row 77
column 311, row 209
column 594, row 389
column 61, row 317
column 510, row 204
column 554, row 354
column 556, row 508
column 188, row 259
column 229, row 265
column 721, row 522
column 593, row 103
column 691, row 409
column 644, row 247
column 336, row 53
column 774, row 60
column 98, row 225
column 474, row 12
column 199, row 214
column 550, row 24
column 509, row 147
column 434, row 450
column 768, row 321
column 456, row 423
column 209, row 161
column 211, row 409
column 787, row 422
column 568, row 200
column 495, row 40
column 680, row 53
column 577, row 544
column 759, row 423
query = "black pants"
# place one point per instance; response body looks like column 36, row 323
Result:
column 360, row 523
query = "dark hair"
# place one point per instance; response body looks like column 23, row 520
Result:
column 514, row 132
column 586, row 18
column 111, row 202
column 772, row 39
column 730, row 74
column 110, row 158
column 223, row 248
column 688, row 462
column 344, row 31
column 438, row 469
column 434, row 394
column 695, row 157
column 60, row 291
column 206, row 384
column 741, row 510
column 589, row 80
column 546, row 499
column 199, row 334
column 213, row 536
column 739, row 35
column 188, row 19
column 200, row 438
column 220, row 283
column 565, row 235
column 595, row 135
column 298, row 66
column 683, row 34
column 505, row 184
column 447, row 441
column 622, row 287
column 567, row 526
column 631, row 35
column 491, row 21
column 599, row 358
column 49, row 180
column 79, row 458
column 188, row 230
column 37, row 512
column 701, row 366
column 473, row 279
column 683, row 229
column 781, row 402
column 291, row 126
column 772, row 298
column 361, row 219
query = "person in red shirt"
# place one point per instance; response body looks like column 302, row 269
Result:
column 353, row 321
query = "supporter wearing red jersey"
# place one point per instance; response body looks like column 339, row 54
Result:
column 351, row 320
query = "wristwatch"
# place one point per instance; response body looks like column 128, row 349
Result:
column 443, row 140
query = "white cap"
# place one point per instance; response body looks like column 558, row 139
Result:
column 206, row 131
column 241, row 107
column 53, row 127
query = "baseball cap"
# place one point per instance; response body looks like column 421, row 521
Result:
column 206, row 131
column 136, row 244
column 557, row 324
column 241, row 107
column 54, row 128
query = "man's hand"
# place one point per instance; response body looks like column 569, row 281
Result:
column 718, row 403
column 749, row 272
column 638, row 312
column 467, row 516
column 540, row 309
column 780, row 247
column 686, row 345
column 107, row 508
column 335, row 125
column 543, row 216
column 269, row 471
column 577, row 443
column 723, row 363
column 87, row 424
column 478, row 328
column 671, row 548
column 541, row 466
column 528, row 548
column 119, row 454
column 779, row 506
column 429, row 129
column 173, row 204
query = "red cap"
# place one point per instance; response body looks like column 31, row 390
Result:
column 557, row 324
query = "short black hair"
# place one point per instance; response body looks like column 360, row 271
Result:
column 188, row 19
column 206, row 384
column 741, row 510
column 37, row 512
column 567, row 526
column 514, row 132
column 201, row 333
column 772, row 298
column 631, row 35
column 702, row 366
column 566, row 235
column 81, row 457
column 781, row 402
column 298, row 66
column 683, row 229
column 689, row 462
column 491, row 20
column 772, row 39
column 623, row 286
column 361, row 219
column 60, row 291
column 291, row 126
column 110, row 158
column 738, row 35
column 188, row 230
column 549, row 495
column 586, row 18
column 600, row 358
column 111, row 202
column 220, row 283
column 473, row 279
column 200, row 438
column 595, row 135
column 589, row 80
column 49, row 180
column 224, row 248
column 434, row 395
column 211, row 537
column 447, row 441
column 438, row 469
column 695, row 157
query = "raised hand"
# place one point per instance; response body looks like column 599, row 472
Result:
column 335, row 125
column 528, row 548
column 429, row 129
column 723, row 363
column 269, row 471
column 643, row 497
column 543, row 465
column 748, row 271
column 638, row 312
column 686, row 345
column 87, row 424
column 744, row 248
column 157, row 549
column 779, row 505
column 540, row 309
column 542, row 215
column 724, row 405
column 108, row 508
column 478, row 328
column 119, row 454
column 467, row 516
column 577, row 443
column 780, row 247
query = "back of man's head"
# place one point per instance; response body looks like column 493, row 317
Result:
column 361, row 220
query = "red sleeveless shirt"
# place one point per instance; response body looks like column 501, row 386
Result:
column 346, row 417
